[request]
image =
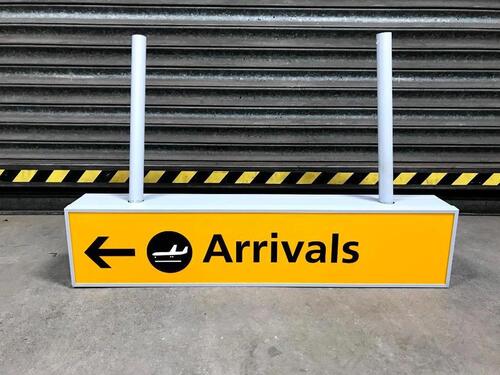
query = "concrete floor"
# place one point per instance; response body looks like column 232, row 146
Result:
column 46, row 327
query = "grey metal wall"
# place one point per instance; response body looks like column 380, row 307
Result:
column 284, row 84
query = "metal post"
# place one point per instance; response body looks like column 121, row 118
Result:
column 384, row 104
column 137, row 105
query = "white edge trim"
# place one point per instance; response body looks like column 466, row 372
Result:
column 257, row 285
column 452, row 248
column 260, row 211
column 70, row 249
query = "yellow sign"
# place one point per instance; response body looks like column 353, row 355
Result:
column 345, row 249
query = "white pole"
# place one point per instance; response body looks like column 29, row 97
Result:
column 137, row 105
column 384, row 103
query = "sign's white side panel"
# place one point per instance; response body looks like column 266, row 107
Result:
column 70, row 247
column 452, row 248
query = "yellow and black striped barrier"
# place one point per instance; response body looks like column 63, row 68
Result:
column 246, row 177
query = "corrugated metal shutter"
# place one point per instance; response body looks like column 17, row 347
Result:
column 274, row 94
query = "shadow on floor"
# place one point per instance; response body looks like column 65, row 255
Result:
column 56, row 270
column 462, row 271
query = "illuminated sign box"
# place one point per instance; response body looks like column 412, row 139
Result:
column 273, row 240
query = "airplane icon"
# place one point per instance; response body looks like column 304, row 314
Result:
column 171, row 254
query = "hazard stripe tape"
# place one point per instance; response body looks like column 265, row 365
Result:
column 247, row 177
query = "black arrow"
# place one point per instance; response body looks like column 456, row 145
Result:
column 95, row 252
